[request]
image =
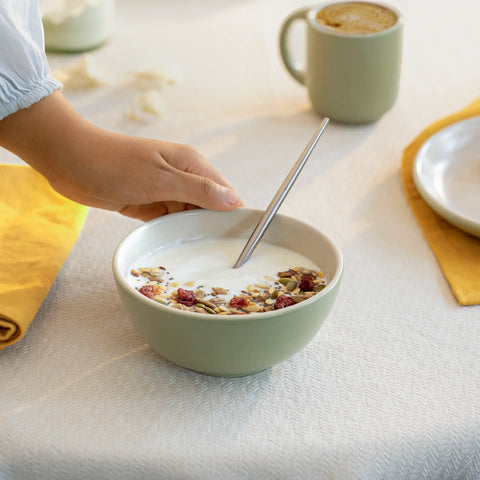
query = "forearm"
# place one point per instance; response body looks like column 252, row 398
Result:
column 44, row 133
column 138, row 177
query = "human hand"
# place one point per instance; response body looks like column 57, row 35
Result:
column 138, row 177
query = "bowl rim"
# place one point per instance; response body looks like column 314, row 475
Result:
column 255, row 316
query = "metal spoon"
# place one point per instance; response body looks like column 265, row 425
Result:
column 279, row 197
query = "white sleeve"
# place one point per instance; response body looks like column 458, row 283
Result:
column 24, row 73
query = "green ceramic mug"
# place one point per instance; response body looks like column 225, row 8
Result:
column 352, row 71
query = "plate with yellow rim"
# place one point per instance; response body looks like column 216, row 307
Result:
column 446, row 172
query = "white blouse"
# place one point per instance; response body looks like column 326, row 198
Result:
column 24, row 73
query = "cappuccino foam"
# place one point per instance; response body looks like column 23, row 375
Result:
column 356, row 17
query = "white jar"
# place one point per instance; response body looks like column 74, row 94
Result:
column 78, row 26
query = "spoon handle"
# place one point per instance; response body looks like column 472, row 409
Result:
column 279, row 197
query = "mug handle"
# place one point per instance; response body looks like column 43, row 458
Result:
column 297, row 73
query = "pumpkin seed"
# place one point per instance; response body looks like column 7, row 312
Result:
column 160, row 300
column 299, row 298
column 291, row 285
column 205, row 302
column 205, row 307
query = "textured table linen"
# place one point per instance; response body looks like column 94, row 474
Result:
column 390, row 386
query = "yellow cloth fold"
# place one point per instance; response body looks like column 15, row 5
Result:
column 457, row 252
column 38, row 228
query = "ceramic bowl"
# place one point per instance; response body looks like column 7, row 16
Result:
column 227, row 345
column 84, row 26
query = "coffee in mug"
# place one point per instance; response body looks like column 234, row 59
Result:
column 357, row 17
column 353, row 60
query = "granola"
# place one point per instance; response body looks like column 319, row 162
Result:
column 290, row 287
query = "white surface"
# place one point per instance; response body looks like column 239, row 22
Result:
column 388, row 389
column 446, row 172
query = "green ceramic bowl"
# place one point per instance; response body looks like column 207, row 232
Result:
column 227, row 345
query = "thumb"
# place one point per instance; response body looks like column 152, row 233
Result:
column 205, row 193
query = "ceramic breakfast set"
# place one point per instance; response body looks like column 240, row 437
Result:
column 352, row 75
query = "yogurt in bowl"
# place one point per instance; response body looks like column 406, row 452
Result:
column 201, row 246
column 198, row 277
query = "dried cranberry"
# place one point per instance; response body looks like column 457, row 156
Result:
column 147, row 290
column 283, row 301
column 306, row 283
column 238, row 302
column 187, row 297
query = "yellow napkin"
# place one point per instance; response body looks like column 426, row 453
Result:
column 457, row 252
column 38, row 228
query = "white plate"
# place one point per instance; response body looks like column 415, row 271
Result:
column 446, row 172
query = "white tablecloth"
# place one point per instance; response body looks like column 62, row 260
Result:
column 390, row 386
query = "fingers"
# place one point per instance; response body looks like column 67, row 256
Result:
column 196, row 181
column 204, row 192
column 181, row 179
column 154, row 210
column 189, row 160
